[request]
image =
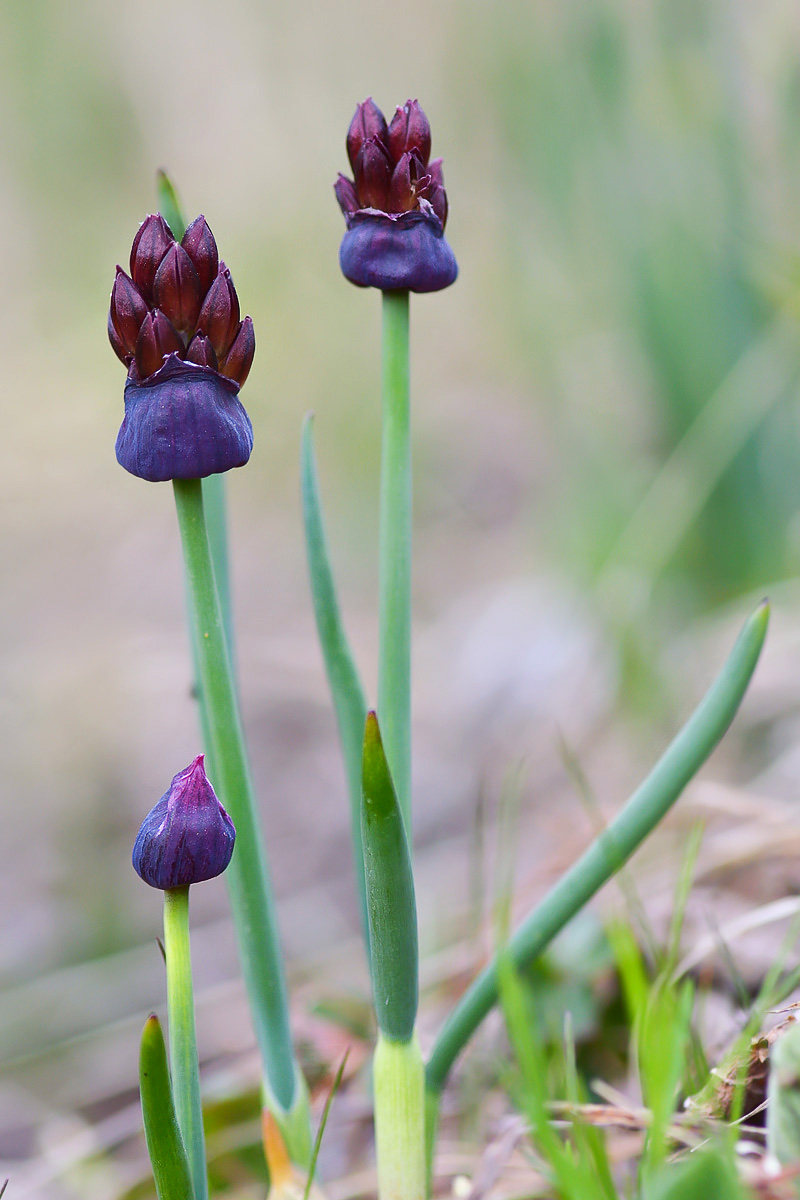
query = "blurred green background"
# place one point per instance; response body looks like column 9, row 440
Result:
column 606, row 434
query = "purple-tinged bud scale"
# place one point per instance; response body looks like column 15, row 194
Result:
column 395, row 207
column 187, row 836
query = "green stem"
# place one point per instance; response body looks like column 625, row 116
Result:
column 399, row 1084
column 247, row 876
column 394, row 661
column 646, row 807
column 182, row 1040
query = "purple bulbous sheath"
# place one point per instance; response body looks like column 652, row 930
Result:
column 395, row 207
column 187, row 836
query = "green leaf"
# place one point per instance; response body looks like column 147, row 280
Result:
column 169, row 205
column 391, row 907
column 343, row 680
column 682, row 759
column 164, row 1144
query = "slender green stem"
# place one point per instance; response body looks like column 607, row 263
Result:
column 215, row 506
column 646, row 807
column 182, row 1040
column 394, row 662
column 247, row 876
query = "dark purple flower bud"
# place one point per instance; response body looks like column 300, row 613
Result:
column 395, row 235
column 240, row 356
column 187, row 837
column 187, row 354
column 127, row 310
column 408, row 250
column 368, row 122
column 176, row 288
column 184, row 422
column 346, row 194
column 409, row 130
column 408, row 182
column 201, row 351
column 373, row 171
column 199, row 244
column 157, row 338
column 218, row 318
column 151, row 243
column 116, row 344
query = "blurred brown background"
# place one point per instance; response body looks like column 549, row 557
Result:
column 606, row 447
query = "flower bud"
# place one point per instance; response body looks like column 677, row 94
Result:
column 187, row 837
column 157, row 338
column 346, row 194
column 408, row 181
column 373, row 172
column 184, row 422
column 127, row 310
column 409, row 130
column 176, row 288
column 176, row 327
column 151, row 243
column 116, row 345
column 218, row 318
column 240, row 356
column 396, row 207
column 199, row 244
column 368, row 122
column 201, row 351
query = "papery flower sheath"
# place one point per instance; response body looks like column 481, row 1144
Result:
column 187, row 837
column 395, row 206
column 174, row 322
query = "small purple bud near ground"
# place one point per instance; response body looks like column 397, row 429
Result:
column 395, row 207
column 175, row 324
column 187, row 837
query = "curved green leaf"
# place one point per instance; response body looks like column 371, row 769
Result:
column 343, row 680
column 680, row 762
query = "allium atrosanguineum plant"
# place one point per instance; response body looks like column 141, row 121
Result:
column 187, row 836
column 174, row 322
column 395, row 206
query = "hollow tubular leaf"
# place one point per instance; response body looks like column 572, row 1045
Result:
column 164, row 1144
column 343, row 680
column 391, row 907
column 682, row 760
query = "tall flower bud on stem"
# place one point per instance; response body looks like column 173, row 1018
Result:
column 186, row 362
column 395, row 208
column 186, row 838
